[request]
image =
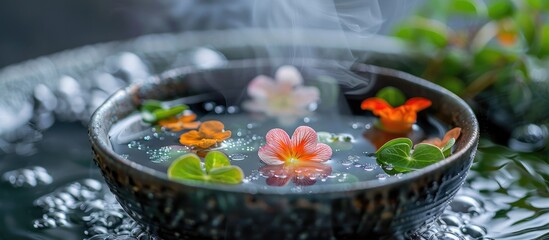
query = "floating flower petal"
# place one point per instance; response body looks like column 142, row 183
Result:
column 303, row 146
column 209, row 134
column 399, row 119
column 284, row 97
column 180, row 123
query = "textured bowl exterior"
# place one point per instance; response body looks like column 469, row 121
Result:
column 382, row 210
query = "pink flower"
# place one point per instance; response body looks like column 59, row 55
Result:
column 299, row 158
column 302, row 147
column 284, row 97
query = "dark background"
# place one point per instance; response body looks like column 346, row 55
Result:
column 31, row 28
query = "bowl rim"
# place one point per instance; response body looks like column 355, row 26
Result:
column 95, row 130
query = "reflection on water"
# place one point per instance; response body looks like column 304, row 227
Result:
column 504, row 197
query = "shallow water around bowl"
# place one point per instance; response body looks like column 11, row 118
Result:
column 504, row 196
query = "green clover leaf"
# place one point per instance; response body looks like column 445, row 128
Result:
column 188, row 167
column 215, row 159
column 152, row 111
column 217, row 169
column 398, row 153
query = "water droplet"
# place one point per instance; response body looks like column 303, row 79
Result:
column 388, row 167
column 232, row 109
column 209, row 106
column 237, row 156
column 357, row 125
column 369, row 167
column 219, row 109
column 28, row 177
column 382, row 176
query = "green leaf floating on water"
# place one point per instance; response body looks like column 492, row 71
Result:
column 188, row 167
column 215, row 159
column 392, row 95
column 217, row 169
column 227, row 175
column 152, row 111
column 398, row 153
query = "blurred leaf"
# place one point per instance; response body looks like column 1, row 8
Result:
column 519, row 97
column 392, row 95
column 535, row 4
column 525, row 22
column 543, row 42
column 453, row 84
column 422, row 30
column 464, row 6
column 151, row 105
column 498, row 9
column 454, row 62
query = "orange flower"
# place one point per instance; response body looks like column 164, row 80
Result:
column 454, row 133
column 180, row 123
column 399, row 119
column 209, row 134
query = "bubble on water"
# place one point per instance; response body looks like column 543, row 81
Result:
column 219, row 109
column 353, row 158
column 357, row 125
column 232, row 109
column 137, row 145
column 296, row 189
column 28, row 177
column 382, row 176
column 346, row 162
column 209, row 106
column 237, row 156
column 369, row 167
column 166, row 153
column 388, row 167
column 369, row 154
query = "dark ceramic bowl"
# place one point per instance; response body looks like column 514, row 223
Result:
column 392, row 208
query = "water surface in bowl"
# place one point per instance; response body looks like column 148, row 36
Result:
column 351, row 161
